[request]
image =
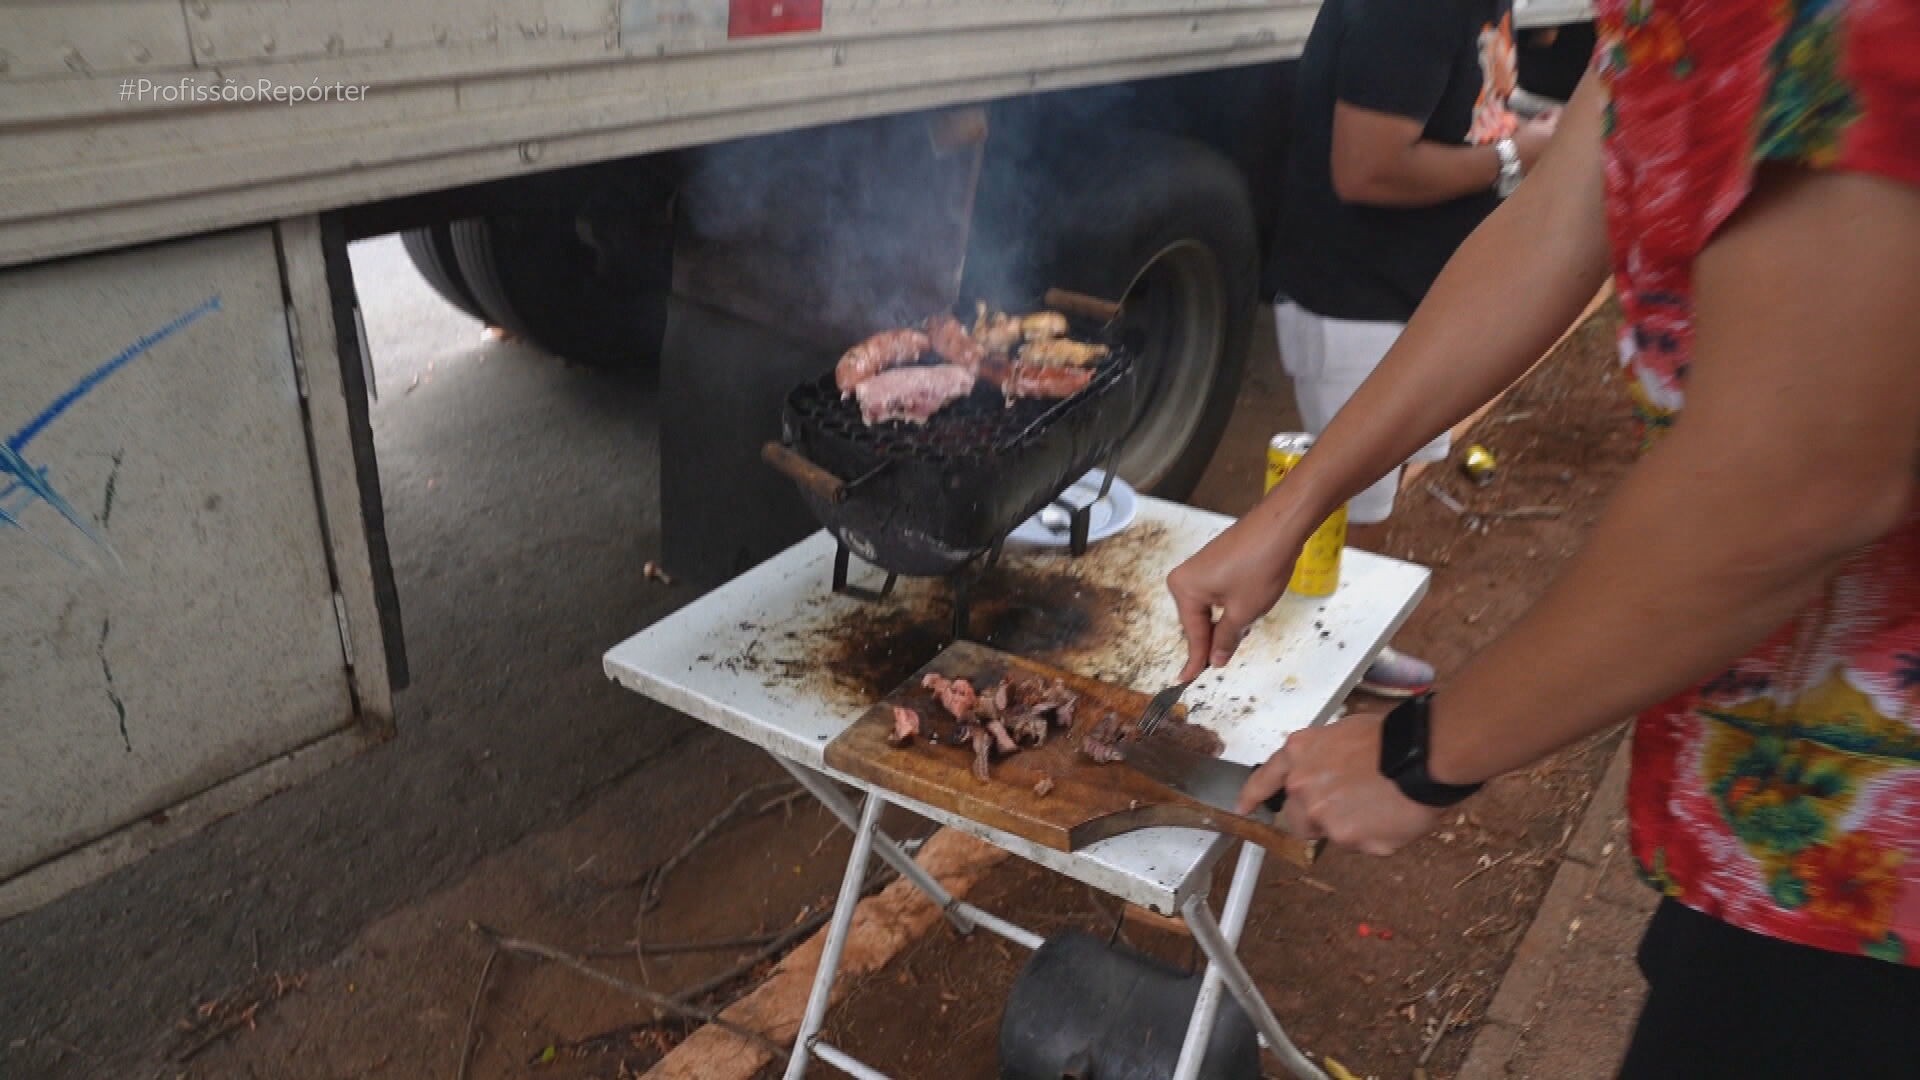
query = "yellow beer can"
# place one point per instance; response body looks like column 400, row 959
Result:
column 1317, row 573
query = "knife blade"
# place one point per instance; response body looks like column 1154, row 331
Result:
column 1200, row 777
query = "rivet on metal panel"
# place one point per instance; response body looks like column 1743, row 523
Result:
column 441, row 34
column 336, row 44
column 76, row 62
column 531, row 151
column 386, row 40
column 139, row 54
column 540, row 25
column 205, row 46
column 200, row 9
column 839, row 55
column 267, row 45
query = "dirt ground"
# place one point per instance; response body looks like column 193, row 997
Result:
column 1372, row 962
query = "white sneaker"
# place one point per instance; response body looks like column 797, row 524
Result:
column 1394, row 674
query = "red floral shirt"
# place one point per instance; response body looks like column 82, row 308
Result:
column 1783, row 795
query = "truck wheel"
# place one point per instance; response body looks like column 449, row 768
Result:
column 542, row 277
column 1167, row 224
column 431, row 251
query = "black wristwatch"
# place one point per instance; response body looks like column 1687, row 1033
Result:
column 1404, row 741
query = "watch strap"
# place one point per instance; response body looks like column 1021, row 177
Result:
column 1406, row 736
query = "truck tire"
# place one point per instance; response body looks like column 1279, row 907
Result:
column 536, row 275
column 1168, row 225
column 431, row 251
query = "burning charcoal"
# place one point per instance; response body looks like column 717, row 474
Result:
column 982, row 754
column 906, row 725
column 1002, row 741
column 957, row 696
column 1044, row 786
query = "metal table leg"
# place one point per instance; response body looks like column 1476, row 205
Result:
column 837, row 928
column 822, row 789
column 1220, row 941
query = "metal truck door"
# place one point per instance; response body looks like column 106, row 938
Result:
column 190, row 593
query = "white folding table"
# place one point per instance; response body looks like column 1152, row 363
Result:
column 748, row 659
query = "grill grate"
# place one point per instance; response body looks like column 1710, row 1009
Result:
column 971, row 431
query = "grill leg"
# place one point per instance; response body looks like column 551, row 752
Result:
column 843, row 564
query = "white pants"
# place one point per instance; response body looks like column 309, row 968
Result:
column 1328, row 359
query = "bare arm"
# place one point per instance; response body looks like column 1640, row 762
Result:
column 1797, row 448
column 1547, row 243
column 1380, row 159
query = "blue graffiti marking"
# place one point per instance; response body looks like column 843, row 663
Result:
column 26, row 481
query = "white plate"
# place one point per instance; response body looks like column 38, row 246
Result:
column 1106, row 518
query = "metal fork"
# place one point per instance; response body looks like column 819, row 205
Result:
column 1158, row 708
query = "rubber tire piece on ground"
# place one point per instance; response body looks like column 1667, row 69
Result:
column 535, row 277
column 431, row 251
column 1111, row 210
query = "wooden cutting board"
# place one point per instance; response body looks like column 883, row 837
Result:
column 1089, row 802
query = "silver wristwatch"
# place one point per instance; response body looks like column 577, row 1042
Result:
column 1510, row 172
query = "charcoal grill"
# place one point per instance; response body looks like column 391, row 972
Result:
column 939, row 499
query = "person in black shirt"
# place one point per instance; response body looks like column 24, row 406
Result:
column 1402, row 144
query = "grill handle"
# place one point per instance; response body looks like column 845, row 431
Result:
column 1081, row 305
column 816, row 480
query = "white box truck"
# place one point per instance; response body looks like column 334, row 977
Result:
column 196, row 607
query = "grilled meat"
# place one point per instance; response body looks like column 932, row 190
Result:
column 1102, row 744
column 1060, row 352
column 911, row 393
column 1029, row 381
column 1027, row 728
column 995, row 721
column 886, row 349
column 996, row 331
column 906, row 726
column 1191, row 737
column 1002, row 739
column 954, row 344
column 957, row 696
column 1043, row 326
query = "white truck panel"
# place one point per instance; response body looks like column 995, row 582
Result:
column 91, row 38
column 167, row 611
column 80, row 169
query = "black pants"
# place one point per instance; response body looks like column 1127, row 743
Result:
column 1724, row 1002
